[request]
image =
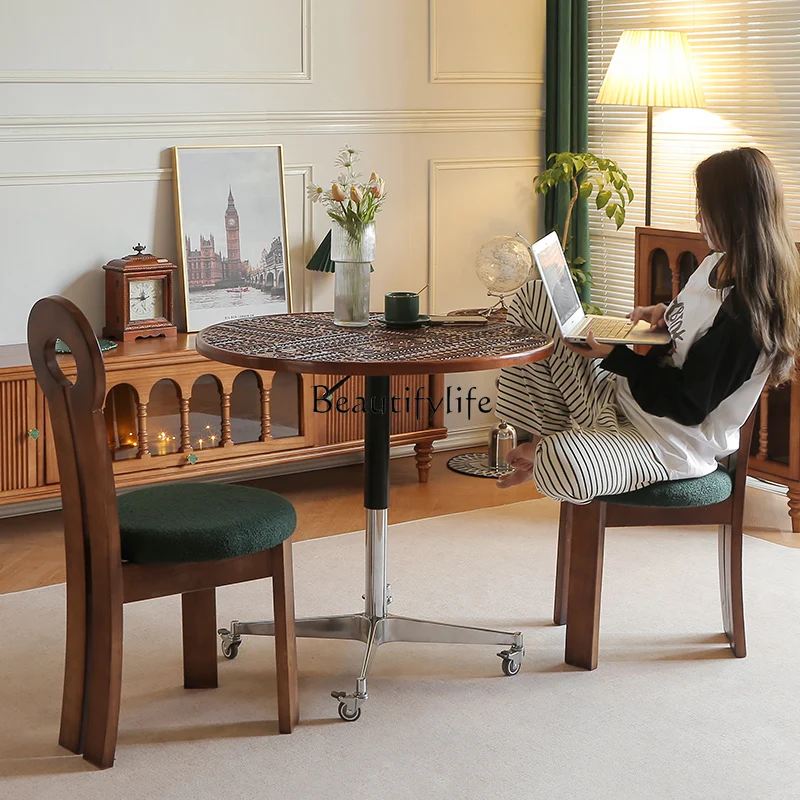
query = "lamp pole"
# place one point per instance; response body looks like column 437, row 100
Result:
column 648, row 189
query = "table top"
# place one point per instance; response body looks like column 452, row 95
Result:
column 310, row 342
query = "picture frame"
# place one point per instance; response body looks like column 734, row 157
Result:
column 230, row 214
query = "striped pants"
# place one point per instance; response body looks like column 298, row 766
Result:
column 588, row 447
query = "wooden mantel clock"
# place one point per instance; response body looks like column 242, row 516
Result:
column 140, row 297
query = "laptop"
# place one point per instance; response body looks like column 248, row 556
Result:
column 573, row 323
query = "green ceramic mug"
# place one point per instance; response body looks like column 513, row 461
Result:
column 401, row 308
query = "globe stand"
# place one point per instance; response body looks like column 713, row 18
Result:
column 499, row 306
column 497, row 313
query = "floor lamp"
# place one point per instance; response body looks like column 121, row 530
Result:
column 651, row 68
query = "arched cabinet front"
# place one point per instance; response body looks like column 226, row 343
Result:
column 172, row 420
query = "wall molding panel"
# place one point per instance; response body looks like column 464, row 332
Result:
column 222, row 125
column 303, row 75
column 305, row 172
column 438, row 75
column 435, row 169
column 86, row 176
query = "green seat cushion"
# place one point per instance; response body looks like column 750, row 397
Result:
column 187, row 522
column 705, row 491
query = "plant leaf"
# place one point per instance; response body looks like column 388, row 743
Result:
column 603, row 197
column 630, row 194
column 586, row 189
column 611, row 209
column 619, row 217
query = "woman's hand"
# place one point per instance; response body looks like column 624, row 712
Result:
column 652, row 314
column 591, row 348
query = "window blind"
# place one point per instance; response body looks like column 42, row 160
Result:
column 747, row 54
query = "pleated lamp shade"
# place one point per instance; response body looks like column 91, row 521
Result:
column 652, row 68
column 321, row 260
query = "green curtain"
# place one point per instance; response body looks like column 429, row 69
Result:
column 567, row 110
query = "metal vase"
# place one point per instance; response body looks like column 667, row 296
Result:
column 502, row 440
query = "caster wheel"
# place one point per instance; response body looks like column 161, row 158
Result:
column 230, row 649
column 346, row 715
column 511, row 666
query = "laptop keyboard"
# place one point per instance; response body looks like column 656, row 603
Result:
column 607, row 327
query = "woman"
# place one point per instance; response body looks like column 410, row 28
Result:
column 607, row 420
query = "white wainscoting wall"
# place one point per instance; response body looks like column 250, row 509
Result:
column 444, row 97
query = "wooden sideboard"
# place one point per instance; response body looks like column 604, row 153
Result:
column 173, row 414
column 664, row 261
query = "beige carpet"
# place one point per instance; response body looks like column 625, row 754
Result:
column 668, row 714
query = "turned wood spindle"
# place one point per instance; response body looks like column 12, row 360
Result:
column 186, row 434
column 763, row 426
column 144, row 451
column 266, row 422
column 793, row 497
column 423, row 455
column 675, row 271
column 225, row 427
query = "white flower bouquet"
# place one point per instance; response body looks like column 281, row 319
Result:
column 351, row 202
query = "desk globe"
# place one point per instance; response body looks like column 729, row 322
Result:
column 503, row 265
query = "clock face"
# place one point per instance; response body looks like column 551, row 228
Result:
column 146, row 299
column 231, row 222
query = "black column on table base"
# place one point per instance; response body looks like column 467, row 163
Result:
column 377, row 431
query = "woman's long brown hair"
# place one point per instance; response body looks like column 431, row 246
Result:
column 740, row 199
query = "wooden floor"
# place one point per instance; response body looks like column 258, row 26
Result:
column 330, row 502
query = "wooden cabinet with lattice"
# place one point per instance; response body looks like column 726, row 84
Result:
column 21, row 441
column 172, row 414
column 664, row 261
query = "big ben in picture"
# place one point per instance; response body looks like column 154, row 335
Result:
column 234, row 261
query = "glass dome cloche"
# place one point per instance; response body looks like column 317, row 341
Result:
column 503, row 265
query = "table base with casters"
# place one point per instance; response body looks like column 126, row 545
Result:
column 375, row 626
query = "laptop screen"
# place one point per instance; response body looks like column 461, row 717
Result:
column 555, row 273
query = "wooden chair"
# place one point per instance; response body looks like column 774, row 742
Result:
column 716, row 499
column 182, row 539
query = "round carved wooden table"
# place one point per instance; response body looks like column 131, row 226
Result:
column 311, row 343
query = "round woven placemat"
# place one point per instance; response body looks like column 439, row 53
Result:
column 476, row 464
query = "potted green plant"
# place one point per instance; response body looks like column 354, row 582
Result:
column 586, row 174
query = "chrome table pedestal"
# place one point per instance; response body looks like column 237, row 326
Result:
column 376, row 626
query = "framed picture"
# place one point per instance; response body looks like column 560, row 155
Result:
column 230, row 208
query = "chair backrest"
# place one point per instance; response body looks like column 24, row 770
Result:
column 91, row 524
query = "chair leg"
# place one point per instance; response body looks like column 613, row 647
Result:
column 585, row 584
column 104, row 683
column 73, row 700
column 285, row 642
column 199, row 617
column 730, row 586
column 562, row 564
